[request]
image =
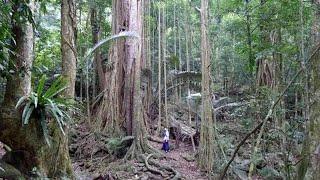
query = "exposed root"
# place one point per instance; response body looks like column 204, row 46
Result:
column 148, row 161
column 139, row 148
column 151, row 169
column 150, row 138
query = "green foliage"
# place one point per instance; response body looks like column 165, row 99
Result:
column 269, row 173
column 42, row 103
column 247, row 123
column 174, row 61
column 5, row 37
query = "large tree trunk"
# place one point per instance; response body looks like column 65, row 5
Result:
column 29, row 150
column 315, row 102
column 139, row 145
column 206, row 148
column 118, row 106
column 112, row 112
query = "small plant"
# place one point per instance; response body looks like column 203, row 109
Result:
column 42, row 103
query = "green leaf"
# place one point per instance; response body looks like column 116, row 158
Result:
column 41, row 85
column 36, row 101
column 57, row 86
column 58, row 119
column 25, row 111
column 174, row 60
column 28, row 114
column 21, row 100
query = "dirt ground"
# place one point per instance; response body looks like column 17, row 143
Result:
column 180, row 159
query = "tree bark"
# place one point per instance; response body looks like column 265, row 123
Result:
column 22, row 45
column 95, row 28
column 69, row 60
column 206, row 148
column 68, row 47
column 159, row 71
column 315, row 102
column 29, row 150
column 118, row 108
column 139, row 145
column 164, row 46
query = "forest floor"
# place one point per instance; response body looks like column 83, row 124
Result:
column 103, row 167
column 181, row 159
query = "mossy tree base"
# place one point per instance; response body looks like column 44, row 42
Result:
column 30, row 154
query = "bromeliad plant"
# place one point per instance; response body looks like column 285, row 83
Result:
column 42, row 103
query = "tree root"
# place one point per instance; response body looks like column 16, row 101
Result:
column 9, row 172
column 147, row 160
column 137, row 149
column 150, row 138
column 151, row 169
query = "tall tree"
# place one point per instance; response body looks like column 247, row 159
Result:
column 68, row 47
column 69, row 60
column 159, row 69
column 206, row 148
column 139, row 145
column 315, row 90
column 120, row 106
column 96, row 33
column 164, row 46
column 187, row 40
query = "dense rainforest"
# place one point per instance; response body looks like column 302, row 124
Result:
column 160, row 89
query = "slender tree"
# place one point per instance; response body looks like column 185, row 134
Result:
column 69, row 52
column 96, row 33
column 164, row 46
column 159, row 69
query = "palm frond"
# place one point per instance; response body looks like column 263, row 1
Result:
column 124, row 34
